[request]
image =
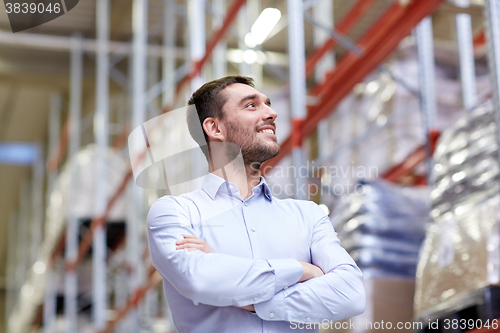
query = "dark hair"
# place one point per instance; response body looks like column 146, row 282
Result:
column 208, row 102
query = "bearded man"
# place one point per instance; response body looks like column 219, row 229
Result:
column 236, row 259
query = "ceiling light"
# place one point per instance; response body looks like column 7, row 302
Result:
column 235, row 55
column 249, row 40
column 27, row 290
column 262, row 27
column 250, row 56
column 39, row 267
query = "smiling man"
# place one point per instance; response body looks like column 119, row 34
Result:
column 233, row 257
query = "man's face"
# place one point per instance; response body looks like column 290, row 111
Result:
column 248, row 121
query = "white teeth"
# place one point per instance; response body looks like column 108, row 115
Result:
column 267, row 131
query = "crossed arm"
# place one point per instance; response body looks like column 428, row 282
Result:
column 277, row 289
column 193, row 243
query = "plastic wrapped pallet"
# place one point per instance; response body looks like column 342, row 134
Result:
column 83, row 192
column 461, row 253
column 58, row 211
column 382, row 226
column 379, row 124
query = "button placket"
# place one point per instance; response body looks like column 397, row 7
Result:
column 248, row 221
column 252, row 224
column 268, row 325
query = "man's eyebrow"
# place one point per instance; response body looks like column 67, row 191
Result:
column 248, row 97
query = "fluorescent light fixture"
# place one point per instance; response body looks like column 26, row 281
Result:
column 249, row 56
column 262, row 27
column 39, row 267
column 27, row 290
column 249, row 40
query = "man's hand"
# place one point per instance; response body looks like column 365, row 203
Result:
column 193, row 243
column 247, row 307
column 310, row 271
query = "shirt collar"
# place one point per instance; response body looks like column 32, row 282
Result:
column 212, row 184
column 267, row 192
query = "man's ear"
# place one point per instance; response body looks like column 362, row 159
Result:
column 213, row 129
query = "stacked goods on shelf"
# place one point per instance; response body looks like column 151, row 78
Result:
column 70, row 199
column 382, row 226
column 75, row 197
column 379, row 124
column 460, row 258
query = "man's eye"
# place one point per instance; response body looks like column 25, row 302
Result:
column 251, row 105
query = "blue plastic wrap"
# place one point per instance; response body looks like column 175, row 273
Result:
column 382, row 226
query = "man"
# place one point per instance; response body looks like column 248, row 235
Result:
column 235, row 259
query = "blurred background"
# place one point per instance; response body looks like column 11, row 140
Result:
column 389, row 109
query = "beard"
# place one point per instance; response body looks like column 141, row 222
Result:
column 254, row 150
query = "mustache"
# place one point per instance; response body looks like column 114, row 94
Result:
column 270, row 123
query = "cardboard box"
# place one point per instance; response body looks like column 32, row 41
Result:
column 389, row 302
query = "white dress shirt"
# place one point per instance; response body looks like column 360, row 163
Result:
column 257, row 243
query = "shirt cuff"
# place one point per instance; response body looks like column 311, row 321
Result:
column 273, row 309
column 287, row 272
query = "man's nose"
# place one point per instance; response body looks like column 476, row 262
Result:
column 269, row 113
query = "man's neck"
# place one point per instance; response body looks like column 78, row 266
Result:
column 227, row 161
column 245, row 178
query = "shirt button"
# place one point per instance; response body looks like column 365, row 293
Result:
column 285, row 288
column 245, row 203
column 254, row 228
column 255, row 299
column 308, row 319
column 230, row 187
column 271, row 315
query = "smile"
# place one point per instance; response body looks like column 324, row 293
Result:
column 269, row 131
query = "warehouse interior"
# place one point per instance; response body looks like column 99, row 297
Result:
column 390, row 106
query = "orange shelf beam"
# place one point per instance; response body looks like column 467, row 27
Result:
column 377, row 44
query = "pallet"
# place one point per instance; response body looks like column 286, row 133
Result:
column 466, row 314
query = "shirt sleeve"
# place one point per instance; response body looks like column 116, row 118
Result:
column 337, row 295
column 211, row 278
